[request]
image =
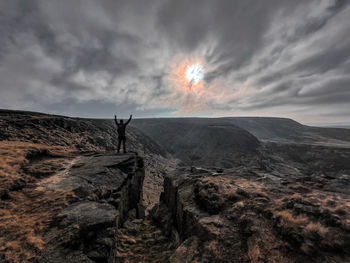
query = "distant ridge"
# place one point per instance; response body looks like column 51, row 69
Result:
column 275, row 129
column 272, row 129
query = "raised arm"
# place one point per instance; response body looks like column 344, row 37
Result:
column 128, row 120
column 115, row 119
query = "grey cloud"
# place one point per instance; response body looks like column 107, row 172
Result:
column 331, row 92
column 159, row 87
column 93, row 57
column 333, row 86
column 102, row 109
column 318, row 63
column 234, row 29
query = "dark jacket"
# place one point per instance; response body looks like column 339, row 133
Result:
column 121, row 127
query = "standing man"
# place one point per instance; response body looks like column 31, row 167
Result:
column 121, row 132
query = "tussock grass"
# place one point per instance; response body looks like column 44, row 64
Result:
column 287, row 220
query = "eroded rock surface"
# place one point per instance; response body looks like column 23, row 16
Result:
column 105, row 188
column 246, row 214
column 62, row 206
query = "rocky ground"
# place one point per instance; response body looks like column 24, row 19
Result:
column 62, row 206
column 140, row 240
column 86, row 135
column 65, row 196
column 277, row 209
column 59, row 183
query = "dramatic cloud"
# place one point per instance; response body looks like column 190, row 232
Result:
column 97, row 57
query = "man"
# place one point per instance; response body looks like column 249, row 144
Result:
column 121, row 132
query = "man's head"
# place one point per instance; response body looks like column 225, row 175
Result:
column 121, row 122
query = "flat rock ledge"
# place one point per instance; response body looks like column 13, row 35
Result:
column 102, row 191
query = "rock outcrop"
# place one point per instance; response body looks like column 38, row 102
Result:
column 243, row 215
column 58, row 205
column 105, row 188
column 86, row 135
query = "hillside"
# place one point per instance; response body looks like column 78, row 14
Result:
column 264, row 128
column 200, row 141
column 288, row 130
column 80, row 134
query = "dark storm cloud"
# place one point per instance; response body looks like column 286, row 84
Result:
column 92, row 57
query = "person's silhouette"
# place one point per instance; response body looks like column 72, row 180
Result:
column 121, row 132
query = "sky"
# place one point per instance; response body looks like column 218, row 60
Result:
column 97, row 58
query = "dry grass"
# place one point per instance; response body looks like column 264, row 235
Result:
column 13, row 158
column 318, row 237
column 26, row 215
column 309, row 232
column 316, row 229
column 24, row 222
column 287, row 220
column 254, row 253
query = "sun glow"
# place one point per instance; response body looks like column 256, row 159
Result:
column 194, row 73
column 187, row 74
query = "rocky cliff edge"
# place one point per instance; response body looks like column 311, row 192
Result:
column 57, row 206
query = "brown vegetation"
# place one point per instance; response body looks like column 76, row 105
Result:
column 25, row 212
column 255, row 218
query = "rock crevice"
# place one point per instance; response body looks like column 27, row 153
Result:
column 104, row 190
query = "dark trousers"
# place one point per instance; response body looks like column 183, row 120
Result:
column 121, row 140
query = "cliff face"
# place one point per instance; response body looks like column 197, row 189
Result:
column 58, row 206
column 106, row 188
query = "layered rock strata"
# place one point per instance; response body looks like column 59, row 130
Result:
column 105, row 188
